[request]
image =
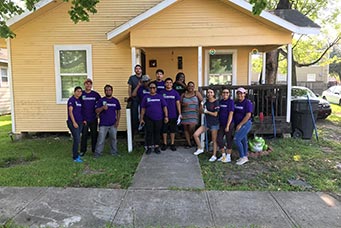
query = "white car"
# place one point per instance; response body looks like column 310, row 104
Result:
column 333, row 94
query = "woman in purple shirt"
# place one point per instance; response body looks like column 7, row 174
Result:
column 226, row 126
column 242, row 121
column 153, row 113
column 75, row 121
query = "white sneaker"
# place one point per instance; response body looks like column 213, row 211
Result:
column 199, row 151
column 226, row 159
column 220, row 159
column 213, row 159
column 242, row 161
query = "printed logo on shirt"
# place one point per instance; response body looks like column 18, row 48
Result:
column 239, row 107
column 78, row 104
column 111, row 105
column 168, row 97
column 145, row 92
column 223, row 106
column 161, row 87
column 88, row 98
column 153, row 100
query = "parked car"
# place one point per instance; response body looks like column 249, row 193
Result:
column 300, row 92
column 333, row 94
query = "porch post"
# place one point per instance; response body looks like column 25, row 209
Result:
column 264, row 68
column 289, row 82
column 133, row 59
column 250, row 70
column 10, row 80
column 200, row 83
column 128, row 110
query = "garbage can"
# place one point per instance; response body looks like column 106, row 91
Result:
column 301, row 119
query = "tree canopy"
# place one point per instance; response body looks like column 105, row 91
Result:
column 79, row 11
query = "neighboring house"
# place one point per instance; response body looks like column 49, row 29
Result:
column 209, row 40
column 5, row 98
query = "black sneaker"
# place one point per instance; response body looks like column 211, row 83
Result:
column 157, row 150
column 149, row 151
column 163, row 147
column 81, row 154
column 172, row 147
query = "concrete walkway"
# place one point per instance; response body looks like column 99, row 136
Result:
column 85, row 207
column 170, row 169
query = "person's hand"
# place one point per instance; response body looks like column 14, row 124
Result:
column 227, row 128
column 142, row 122
column 84, row 122
column 166, row 120
column 179, row 119
column 205, row 110
column 105, row 107
column 75, row 125
column 238, row 127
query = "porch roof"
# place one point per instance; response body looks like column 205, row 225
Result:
column 281, row 19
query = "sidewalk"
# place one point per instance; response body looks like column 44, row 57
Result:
column 150, row 203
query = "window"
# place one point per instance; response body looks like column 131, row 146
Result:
column 72, row 66
column 4, row 77
column 311, row 77
column 220, row 67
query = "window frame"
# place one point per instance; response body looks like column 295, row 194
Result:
column 57, row 48
column 1, row 86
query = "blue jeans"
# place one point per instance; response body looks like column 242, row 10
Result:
column 76, row 135
column 103, row 130
column 240, row 138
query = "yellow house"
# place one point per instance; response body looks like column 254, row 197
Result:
column 5, row 104
column 211, row 41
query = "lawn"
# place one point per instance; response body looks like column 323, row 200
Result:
column 315, row 164
column 47, row 161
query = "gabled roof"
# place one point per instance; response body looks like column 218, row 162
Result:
column 295, row 17
column 282, row 22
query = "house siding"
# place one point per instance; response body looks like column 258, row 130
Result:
column 32, row 58
column 205, row 23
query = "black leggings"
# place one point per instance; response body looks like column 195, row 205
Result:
column 153, row 130
column 228, row 135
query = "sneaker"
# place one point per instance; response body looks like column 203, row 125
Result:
column 149, row 151
column 163, row 147
column 199, row 151
column 242, row 161
column 172, row 147
column 226, row 159
column 157, row 150
column 188, row 146
column 78, row 160
column 81, row 154
column 213, row 159
column 222, row 156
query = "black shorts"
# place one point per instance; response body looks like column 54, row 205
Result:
column 170, row 126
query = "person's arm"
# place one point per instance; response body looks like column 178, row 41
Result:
column 143, row 111
column 165, row 111
column 244, row 120
column 229, row 121
column 74, row 123
column 100, row 109
column 118, row 117
column 178, row 106
column 129, row 90
column 134, row 93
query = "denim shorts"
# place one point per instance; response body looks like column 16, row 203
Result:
column 214, row 127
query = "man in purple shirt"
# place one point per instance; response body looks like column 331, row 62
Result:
column 89, row 100
column 109, row 110
column 172, row 98
column 75, row 121
column 160, row 84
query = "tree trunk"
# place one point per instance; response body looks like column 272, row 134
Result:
column 271, row 67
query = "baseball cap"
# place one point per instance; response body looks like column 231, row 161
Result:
column 88, row 80
column 145, row 78
column 241, row 89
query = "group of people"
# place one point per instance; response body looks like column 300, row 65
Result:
column 84, row 108
column 161, row 105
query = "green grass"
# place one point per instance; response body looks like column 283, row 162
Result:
column 336, row 114
column 47, row 161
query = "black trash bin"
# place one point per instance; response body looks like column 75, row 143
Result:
column 301, row 119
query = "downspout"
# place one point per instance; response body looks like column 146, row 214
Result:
column 8, row 44
column 289, row 82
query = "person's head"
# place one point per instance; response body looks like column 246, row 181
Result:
column 241, row 93
column 108, row 90
column 88, row 84
column 77, row 92
column 180, row 77
column 145, row 80
column 152, row 87
column 169, row 83
column 159, row 74
column 138, row 69
column 190, row 86
column 210, row 93
column 225, row 93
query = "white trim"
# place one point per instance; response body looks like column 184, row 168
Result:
column 249, row 77
column 241, row 3
column 4, row 67
column 152, row 11
column 263, row 68
column 199, row 66
column 133, row 60
column 129, row 131
column 234, row 53
column 26, row 13
column 57, row 48
column 10, row 80
column 289, row 82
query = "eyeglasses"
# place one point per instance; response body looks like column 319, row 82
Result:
column 153, row 87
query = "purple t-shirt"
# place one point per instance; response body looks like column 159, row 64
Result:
column 141, row 92
column 160, row 86
column 212, row 107
column 226, row 106
column 77, row 109
column 89, row 101
column 154, row 106
column 171, row 96
column 108, row 117
column 241, row 109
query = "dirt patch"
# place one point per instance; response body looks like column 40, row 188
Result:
column 14, row 161
column 329, row 130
